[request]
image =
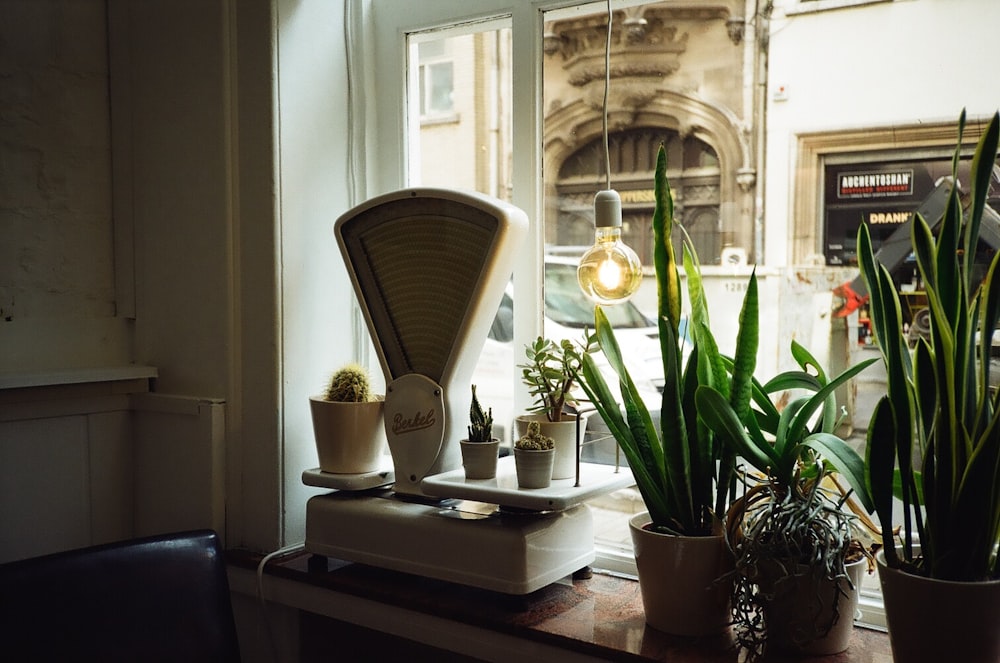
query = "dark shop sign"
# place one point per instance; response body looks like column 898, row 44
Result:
column 875, row 184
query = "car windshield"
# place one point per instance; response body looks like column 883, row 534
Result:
column 566, row 304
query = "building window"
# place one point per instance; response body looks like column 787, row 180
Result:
column 437, row 80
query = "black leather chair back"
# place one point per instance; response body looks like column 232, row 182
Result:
column 163, row 598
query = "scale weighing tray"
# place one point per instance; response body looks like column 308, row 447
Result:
column 595, row 480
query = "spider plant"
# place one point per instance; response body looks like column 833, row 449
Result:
column 790, row 525
column 934, row 438
column 675, row 467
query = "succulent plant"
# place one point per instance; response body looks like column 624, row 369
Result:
column 550, row 373
column 351, row 384
column 480, row 422
column 534, row 440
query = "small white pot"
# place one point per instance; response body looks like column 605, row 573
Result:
column 534, row 467
column 350, row 437
column 563, row 433
column 480, row 458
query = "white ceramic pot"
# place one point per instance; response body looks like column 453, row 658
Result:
column 534, row 467
column 937, row 620
column 679, row 580
column 563, row 433
column 802, row 608
column 350, row 437
column 480, row 458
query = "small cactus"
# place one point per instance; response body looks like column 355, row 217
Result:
column 481, row 423
column 534, row 440
column 350, row 385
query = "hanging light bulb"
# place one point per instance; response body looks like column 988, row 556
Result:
column 609, row 272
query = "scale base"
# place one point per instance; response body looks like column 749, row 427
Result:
column 469, row 543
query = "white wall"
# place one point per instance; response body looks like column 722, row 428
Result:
column 57, row 267
column 878, row 65
column 316, row 297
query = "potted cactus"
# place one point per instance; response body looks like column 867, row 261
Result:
column 550, row 373
column 534, row 453
column 348, row 423
column 480, row 449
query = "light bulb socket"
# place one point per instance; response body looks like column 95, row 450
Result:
column 607, row 209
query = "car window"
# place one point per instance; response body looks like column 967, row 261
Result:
column 566, row 304
column 502, row 329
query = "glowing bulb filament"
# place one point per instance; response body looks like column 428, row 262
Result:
column 609, row 274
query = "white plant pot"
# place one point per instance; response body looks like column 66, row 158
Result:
column 803, row 605
column 480, row 458
column 534, row 467
column 937, row 620
column 350, row 437
column 563, row 433
column 679, row 578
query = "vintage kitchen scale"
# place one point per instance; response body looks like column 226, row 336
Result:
column 429, row 267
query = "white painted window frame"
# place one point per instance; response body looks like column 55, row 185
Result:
column 380, row 28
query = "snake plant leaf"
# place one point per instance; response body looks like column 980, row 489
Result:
column 897, row 485
column 646, row 476
column 807, row 362
column 982, row 173
column 766, row 412
column 845, row 460
column 880, row 461
column 745, row 359
column 630, row 394
column 665, row 262
column 719, row 414
column 820, row 397
column 674, row 434
column 792, row 380
column 785, row 440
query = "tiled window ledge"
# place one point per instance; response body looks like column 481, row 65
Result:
column 598, row 619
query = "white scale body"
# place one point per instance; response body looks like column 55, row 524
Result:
column 429, row 267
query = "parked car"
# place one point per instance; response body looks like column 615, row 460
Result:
column 568, row 313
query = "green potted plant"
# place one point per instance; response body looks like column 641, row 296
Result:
column 934, row 438
column 348, row 423
column 678, row 543
column 480, row 450
column 534, row 453
column 798, row 553
column 550, row 373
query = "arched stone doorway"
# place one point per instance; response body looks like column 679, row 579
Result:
column 693, row 171
column 675, row 78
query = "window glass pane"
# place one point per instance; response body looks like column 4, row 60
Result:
column 667, row 66
column 464, row 142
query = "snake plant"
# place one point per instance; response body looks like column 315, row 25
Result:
column 934, row 438
column 675, row 467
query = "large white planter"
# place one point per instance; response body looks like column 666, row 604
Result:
column 563, row 433
column 936, row 620
column 679, row 580
column 350, row 437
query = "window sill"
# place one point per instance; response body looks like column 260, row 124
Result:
column 600, row 618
